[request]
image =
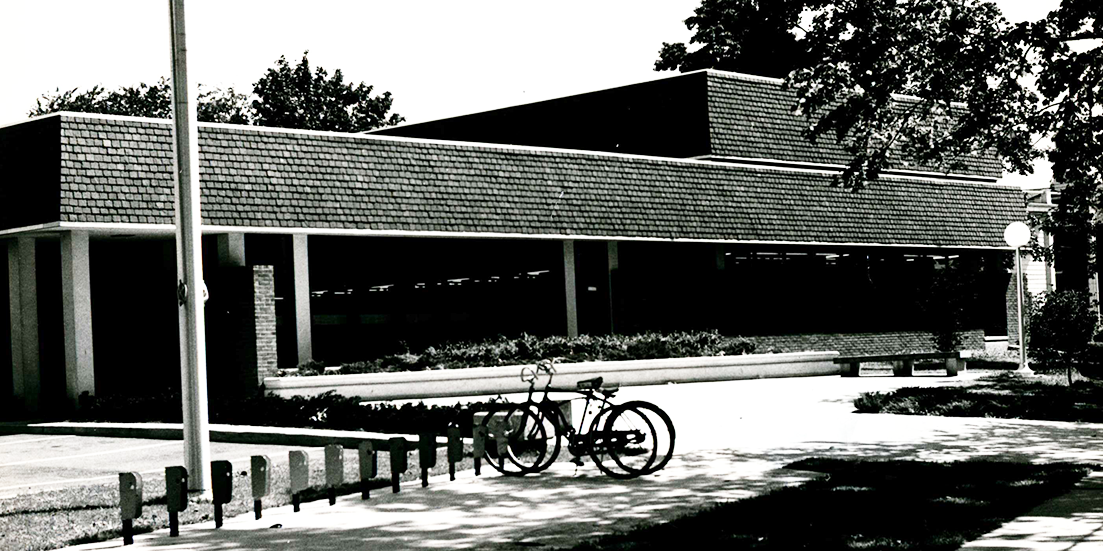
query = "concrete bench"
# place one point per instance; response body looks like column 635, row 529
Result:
column 903, row 365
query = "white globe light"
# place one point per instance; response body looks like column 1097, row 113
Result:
column 1017, row 234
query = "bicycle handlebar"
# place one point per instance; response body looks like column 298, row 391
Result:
column 529, row 375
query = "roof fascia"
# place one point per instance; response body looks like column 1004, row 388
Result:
column 169, row 229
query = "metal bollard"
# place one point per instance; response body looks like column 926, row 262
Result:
column 502, row 443
column 427, row 455
column 176, row 496
column 397, row 447
column 335, row 470
column 300, row 475
column 222, row 487
column 130, row 503
column 478, row 446
column 368, row 468
column 261, row 469
column 455, row 451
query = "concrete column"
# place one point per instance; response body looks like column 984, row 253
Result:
column 76, row 300
column 231, row 249
column 613, row 262
column 301, row 260
column 570, row 288
column 23, row 297
column 721, row 257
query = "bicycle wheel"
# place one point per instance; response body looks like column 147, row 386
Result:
column 658, row 449
column 602, row 437
column 547, row 415
column 623, row 445
column 526, row 442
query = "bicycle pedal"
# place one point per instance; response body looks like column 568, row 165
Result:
column 577, row 461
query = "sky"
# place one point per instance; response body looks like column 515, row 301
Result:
column 438, row 58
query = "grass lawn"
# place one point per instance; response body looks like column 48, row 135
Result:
column 1005, row 395
column 71, row 516
column 869, row 505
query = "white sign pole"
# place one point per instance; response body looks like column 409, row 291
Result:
column 189, row 262
column 1017, row 235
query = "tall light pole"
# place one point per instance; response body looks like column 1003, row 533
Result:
column 189, row 262
column 1017, row 235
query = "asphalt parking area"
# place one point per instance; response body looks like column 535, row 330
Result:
column 32, row 463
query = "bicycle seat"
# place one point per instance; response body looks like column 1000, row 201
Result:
column 590, row 384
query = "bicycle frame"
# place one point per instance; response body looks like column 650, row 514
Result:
column 574, row 436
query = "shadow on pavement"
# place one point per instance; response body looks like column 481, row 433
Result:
column 566, row 505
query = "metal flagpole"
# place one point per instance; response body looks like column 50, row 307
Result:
column 189, row 262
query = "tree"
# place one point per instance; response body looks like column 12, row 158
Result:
column 296, row 98
column 1070, row 82
column 285, row 98
column 747, row 36
column 153, row 101
column 960, row 64
column 139, row 101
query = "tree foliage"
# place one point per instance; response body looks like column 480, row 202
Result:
column 285, row 97
column 1070, row 81
column 747, row 36
column 943, row 55
column 294, row 97
column 930, row 82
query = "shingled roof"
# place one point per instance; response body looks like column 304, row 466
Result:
column 703, row 114
column 118, row 170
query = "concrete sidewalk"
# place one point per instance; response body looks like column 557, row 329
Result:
column 733, row 440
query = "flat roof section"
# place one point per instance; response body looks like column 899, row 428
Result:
column 702, row 114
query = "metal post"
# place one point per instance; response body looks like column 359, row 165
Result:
column 1021, row 298
column 189, row 261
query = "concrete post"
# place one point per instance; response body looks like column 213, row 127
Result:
column 231, row 249
column 23, row 300
column 301, row 259
column 76, row 299
column 570, row 288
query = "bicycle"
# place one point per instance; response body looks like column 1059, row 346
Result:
column 628, row 440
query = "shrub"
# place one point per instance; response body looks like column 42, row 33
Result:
column 945, row 305
column 324, row 411
column 1061, row 326
column 528, row 349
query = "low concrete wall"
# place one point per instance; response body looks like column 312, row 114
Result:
column 234, row 434
column 506, row 379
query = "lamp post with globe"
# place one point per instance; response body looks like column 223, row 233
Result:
column 1017, row 235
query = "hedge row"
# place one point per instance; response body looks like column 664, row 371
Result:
column 324, row 411
column 528, row 349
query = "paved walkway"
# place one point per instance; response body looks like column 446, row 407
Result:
column 733, row 440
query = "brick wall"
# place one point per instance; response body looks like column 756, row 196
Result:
column 264, row 316
column 1012, row 312
column 862, row 343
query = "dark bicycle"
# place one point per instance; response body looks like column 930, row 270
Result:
column 626, row 440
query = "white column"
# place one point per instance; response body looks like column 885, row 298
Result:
column 571, row 291
column 613, row 262
column 231, row 249
column 23, row 297
column 76, row 300
column 301, row 259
